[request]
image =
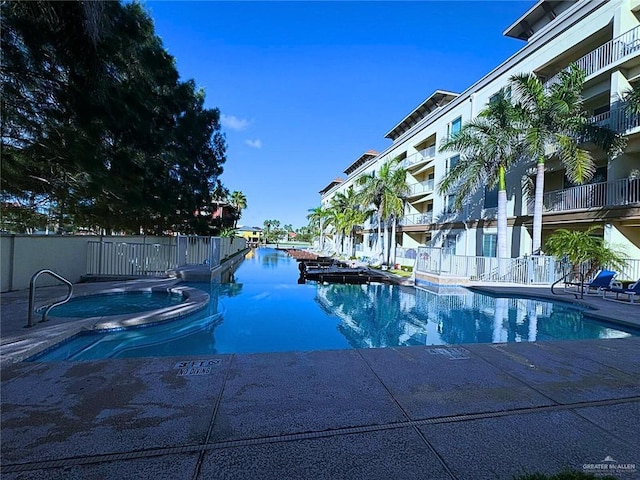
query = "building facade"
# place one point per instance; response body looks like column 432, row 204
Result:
column 603, row 38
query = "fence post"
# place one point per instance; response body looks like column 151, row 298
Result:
column 144, row 256
column 100, row 255
column 214, row 251
column 181, row 251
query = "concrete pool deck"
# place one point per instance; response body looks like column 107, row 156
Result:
column 488, row 411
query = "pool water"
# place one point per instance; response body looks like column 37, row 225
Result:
column 265, row 309
column 115, row 304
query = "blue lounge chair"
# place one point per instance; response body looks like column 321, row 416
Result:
column 632, row 291
column 603, row 279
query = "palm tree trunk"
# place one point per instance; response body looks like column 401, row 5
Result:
column 502, row 222
column 502, row 213
column 537, row 208
column 385, row 244
column 393, row 240
column 379, row 244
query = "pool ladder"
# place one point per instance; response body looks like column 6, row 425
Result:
column 32, row 294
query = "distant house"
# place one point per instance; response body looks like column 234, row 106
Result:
column 220, row 215
column 253, row 235
column 224, row 211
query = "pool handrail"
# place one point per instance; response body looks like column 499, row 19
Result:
column 32, row 294
column 581, row 284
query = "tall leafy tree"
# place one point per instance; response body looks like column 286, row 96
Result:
column 489, row 146
column 556, row 125
column 96, row 124
column 49, row 58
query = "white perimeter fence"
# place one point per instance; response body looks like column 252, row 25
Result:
column 74, row 256
column 534, row 270
column 120, row 258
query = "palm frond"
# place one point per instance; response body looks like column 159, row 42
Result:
column 579, row 162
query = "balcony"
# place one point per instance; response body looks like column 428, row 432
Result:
column 420, row 188
column 618, row 120
column 417, row 219
column 614, row 50
column 420, row 157
column 596, row 195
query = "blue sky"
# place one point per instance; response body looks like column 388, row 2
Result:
column 306, row 87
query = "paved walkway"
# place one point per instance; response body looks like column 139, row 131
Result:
column 460, row 412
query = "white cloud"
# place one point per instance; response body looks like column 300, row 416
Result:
column 234, row 123
column 257, row 143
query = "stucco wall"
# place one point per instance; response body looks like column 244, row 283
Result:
column 23, row 255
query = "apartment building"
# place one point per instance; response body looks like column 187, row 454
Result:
column 603, row 37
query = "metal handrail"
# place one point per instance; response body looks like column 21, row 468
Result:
column 564, row 278
column 32, row 294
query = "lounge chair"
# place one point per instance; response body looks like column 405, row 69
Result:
column 632, row 291
column 603, row 279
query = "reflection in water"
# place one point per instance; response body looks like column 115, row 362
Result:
column 270, row 260
column 261, row 307
column 384, row 315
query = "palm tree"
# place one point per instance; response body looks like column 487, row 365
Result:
column 488, row 145
column 239, row 202
column 353, row 217
column 632, row 99
column 382, row 191
column 394, row 204
column 269, row 227
column 336, row 220
column 316, row 217
column 556, row 125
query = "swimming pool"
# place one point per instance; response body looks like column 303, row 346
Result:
column 264, row 309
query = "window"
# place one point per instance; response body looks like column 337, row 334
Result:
column 451, row 162
column 454, row 127
column 449, row 243
column 489, row 245
column 507, row 94
column 600, row 110
column 491, row 197
column 448, row 205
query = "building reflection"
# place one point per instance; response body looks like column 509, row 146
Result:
column 391, row 315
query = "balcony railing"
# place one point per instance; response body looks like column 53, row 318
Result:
column 421, row 187
column 425, row 154
column 595, row 195
column 618, row 119
column 417, row 219
column 607, row 54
